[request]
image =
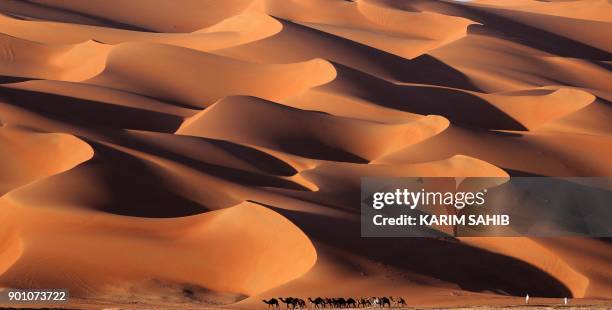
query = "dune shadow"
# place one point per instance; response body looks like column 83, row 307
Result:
column 520, row 173
column 52, row 13
column 424, row 69
column 7, row 79
column 471, row 268
column 297, row 131
column 89, row 113
column 257, row 158
column 132, row 188
column 528, row 35
column 461, row 108
column 265, row 162
column 312, row 148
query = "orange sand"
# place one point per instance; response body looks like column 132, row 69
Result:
column 207, row 153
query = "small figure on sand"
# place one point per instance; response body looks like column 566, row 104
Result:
column 527, row 299
column 565, row 301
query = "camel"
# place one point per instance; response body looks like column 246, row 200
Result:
column 328, row 302
column 289, row 301
column 365, row 302
column 317, row 302
column 300, row 302
column 340, row 302
column 272, row 303
column 296, row 302
column 351, row 302
column 384, row 301
column 401, row 302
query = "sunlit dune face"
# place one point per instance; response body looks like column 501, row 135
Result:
column 211, row 153
column 28, row 156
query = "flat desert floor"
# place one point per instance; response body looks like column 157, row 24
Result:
column 201, row 153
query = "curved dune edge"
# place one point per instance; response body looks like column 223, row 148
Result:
column 534, row 108
column 441, row 29
column 333, row 177
column 134, row 136
column 88, row 93
column 498, row 65
column 542, row 153
column 530, row 251
column 245, row 249
column 586, row 9
column 343, row 105
column 373, row 23
column 455, row 166
column 250, row 26
column 235, row 30
column 278, row 125
column 190, row 16
column 73, row 62
column 585, row 27
column 28, row 156
column 177, row 74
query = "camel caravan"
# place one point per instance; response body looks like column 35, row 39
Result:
column 322, row 303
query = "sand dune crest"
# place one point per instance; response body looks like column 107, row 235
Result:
column 27, row 156
column 285, row 129
column 205, row 153
column 204, row 78
column 28, row 59
column 252, row 242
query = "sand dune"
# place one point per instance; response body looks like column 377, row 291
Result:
column 522, row 106
column 545, row 153
column 236, row 30
column 110, row 96
column 375, row 24
column 26, row 107
column 77, row 62
column 189, row 16
column 589, row 31
column 586, row 9
column 22, row 158
column 208, row 153
column 195, row 247
column 289, row 130
column 199, row 79
column 537, row 255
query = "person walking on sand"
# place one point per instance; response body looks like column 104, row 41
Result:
column 527, row 299
column 565, row 301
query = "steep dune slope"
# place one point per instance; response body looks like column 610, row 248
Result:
column 189, row 16
column 245, row 249
column 22, row 159
column 235, row 30
column 198, row 79
column 285, row 129
column 76, row 62
column 204, row 153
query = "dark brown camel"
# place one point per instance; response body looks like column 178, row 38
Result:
column 364, row 302
column 317, row 302
column 351, row 303
column 289, row 301
column 385, row 301
column 339, row 302
column 300, row 303
column 272, row 303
